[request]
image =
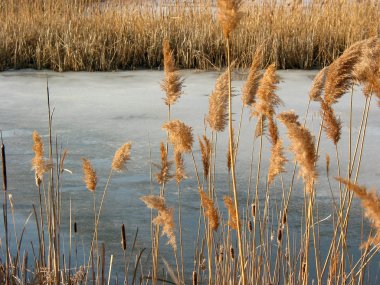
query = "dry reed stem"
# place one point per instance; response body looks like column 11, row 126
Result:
column 122, row 155
column 303, row 147
column 180, row 135
column 229, row 203
column 218, row 104
column 165, row 217
column 210, row 211
column 371, row 204
column 252, row 83
column 331, row 124
column 89, row 175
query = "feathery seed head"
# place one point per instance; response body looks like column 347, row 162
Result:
column 331, row 124
column 39, row 164
column 253, row 79
column 206, row 154
column 210, row 211
column 318, row 85
column 228, row 15
column 122, row 155
column 180, row 135
column 89, row 175
column 233, row 222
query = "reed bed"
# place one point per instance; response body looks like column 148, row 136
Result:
column 90, row 35
column 237, row 243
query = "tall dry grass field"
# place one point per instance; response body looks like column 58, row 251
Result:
column 109, row 35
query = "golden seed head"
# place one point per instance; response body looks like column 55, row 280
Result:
column 89, row 175
column 122, row 155
column 180, row 135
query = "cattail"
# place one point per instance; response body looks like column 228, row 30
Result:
column 340, row 75
column 89, row 175
column 303, row 147
column 277, row 161
column 285, row 217
column 371, row 204
column 252, row 82
column 195, row 278
column 179, row 167
column 221, row 255
column 4, row 166
column 172, row 84
column 317, row 86
column 39, row 164
column 218, row 104
column 250, row 228
column 268, row 100
column 228, row 15
column 210, row 211
column 331, row 124
column 232, row 252
column 253, row 209
column 233, row 223
column 180, row 135
column 206, row 154
column 229, row 151
column 123, row 239
column 75, row 227
column 165, row 217
column 327, row 164
column 279, row 235
column 164, row 175
column 122, row 155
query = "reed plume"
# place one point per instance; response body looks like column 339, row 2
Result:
column 218, row 104
column 228, row 15
column 39, row 164
column 371, row 204
column 331, row 124
column 206, row 154
column 165, row 217
column 277, row 161
column 261, row 126
column 122, row 155
column 230, row 205
column 172, row 84
column 340, row 76
column 180, row 135
column 210, row 211
column 272, row 130
column 89, row 175
column 268, row 100
column 179, row 167
column 318, row 84
column 252, row 83
column 303, row 147
column 366, row 70
column 164, row 175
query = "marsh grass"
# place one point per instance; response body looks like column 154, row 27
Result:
column 110, row 35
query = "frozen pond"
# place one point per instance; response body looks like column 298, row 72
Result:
column 95, row 113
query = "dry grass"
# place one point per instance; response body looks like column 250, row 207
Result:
column 93, row 35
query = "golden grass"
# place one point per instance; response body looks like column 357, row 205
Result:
column 93, row 35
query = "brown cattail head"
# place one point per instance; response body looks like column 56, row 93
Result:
column 232, row 222
column 89, row 175
column 164, row 175
column 340, row 76
column 209, row 209
column 206, row 154
column 228, row 15
column 195, row 278
column 180, row 135
column 253, row 209
column 218, row 104
column 279, row 235
column 303, row 147
column 123, row 239
column 268, row 100
column 179, row 167
column 122, row 155
column 39, row 164
column 285, row 217
column 252, row 83
column 165, row 217
column 4, row 166
column 75, row 227
column 331, row 124
column 229, row 155
column 172, row 84
column 371, row 204
column 277, row 161
column 316, row 90
column 232, row 252
column 250, row 228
